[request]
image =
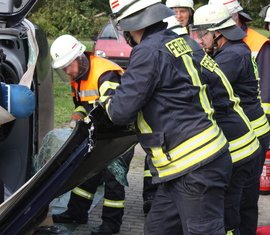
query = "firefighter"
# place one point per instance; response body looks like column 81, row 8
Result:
column 265, row 14
column 260, row 48
column 218, row 29
column 90, row 77
column 162, row 95
column 244, row 146
column 149, row 189
column 183, row 10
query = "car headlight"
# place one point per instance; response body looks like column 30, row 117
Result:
column 100, row 53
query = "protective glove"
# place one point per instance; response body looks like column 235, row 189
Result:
column 18, row 100
column 78, row 114
column 100, row 118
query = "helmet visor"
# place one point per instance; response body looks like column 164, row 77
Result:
column 74, row 71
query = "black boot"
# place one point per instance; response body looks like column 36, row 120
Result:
column 104, row 229
column 67, row 218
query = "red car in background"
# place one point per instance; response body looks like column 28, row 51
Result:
column 111, row 44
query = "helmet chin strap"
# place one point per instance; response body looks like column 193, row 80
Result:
column 215, row 46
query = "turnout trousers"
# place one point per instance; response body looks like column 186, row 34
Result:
column 192, row 204
column 251, row 192
column 114, row 196
column 233, row 195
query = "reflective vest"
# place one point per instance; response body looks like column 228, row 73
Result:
column 88, row 90
column 255, row 41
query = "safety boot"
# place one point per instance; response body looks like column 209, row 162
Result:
column 67, row 218
column 104, row 229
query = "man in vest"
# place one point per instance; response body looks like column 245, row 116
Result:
column 260, row 49
column 90, row 77
column 161, row 93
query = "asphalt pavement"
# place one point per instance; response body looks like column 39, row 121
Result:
column 133, row 219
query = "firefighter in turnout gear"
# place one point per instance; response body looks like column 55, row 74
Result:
column 162, row 94
column 218, row 29
column 265, row 14
column 260, row 49
column 183, row 9
column 90, row 77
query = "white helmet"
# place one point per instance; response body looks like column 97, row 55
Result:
column 267, row 16
column 217, row 17
column 132, row 15
column 213, row 17
column 232, row 5
column 64, row 50
column 180, row 3
column 174, row 25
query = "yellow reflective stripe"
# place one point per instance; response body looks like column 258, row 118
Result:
column 194, row 157
column 80, row 109
column 83, row 193
column 184, row 149
column 242, row 141
column 266, row 107
column 103, row 98
column 260, row 126
column 197, row 82
column 106, row 86
column 113, row 204
column 91, row 101
column 246, row 151
column 230, row 232
column 147, row 173
column 232, row 97
column 145, row 128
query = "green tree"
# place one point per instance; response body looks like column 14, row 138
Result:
column 82, row 18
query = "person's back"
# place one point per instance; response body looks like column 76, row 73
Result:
column 162, row 93
column 234, row 59
column 243, row 79
column 172, row 55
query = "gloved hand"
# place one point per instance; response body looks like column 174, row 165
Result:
column 17, row 99
column 78, row 114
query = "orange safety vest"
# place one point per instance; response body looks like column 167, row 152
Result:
column 89, row 88
column 255, row 41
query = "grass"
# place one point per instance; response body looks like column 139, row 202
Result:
column 63, row 104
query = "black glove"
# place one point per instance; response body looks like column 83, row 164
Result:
column 100, row 118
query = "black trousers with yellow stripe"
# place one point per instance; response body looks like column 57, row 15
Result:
column 192, row 204
column 114, row 196
column 149, row 189
column 250, row 196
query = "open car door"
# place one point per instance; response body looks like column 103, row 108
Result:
column 23, row 43
column 85, row 153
